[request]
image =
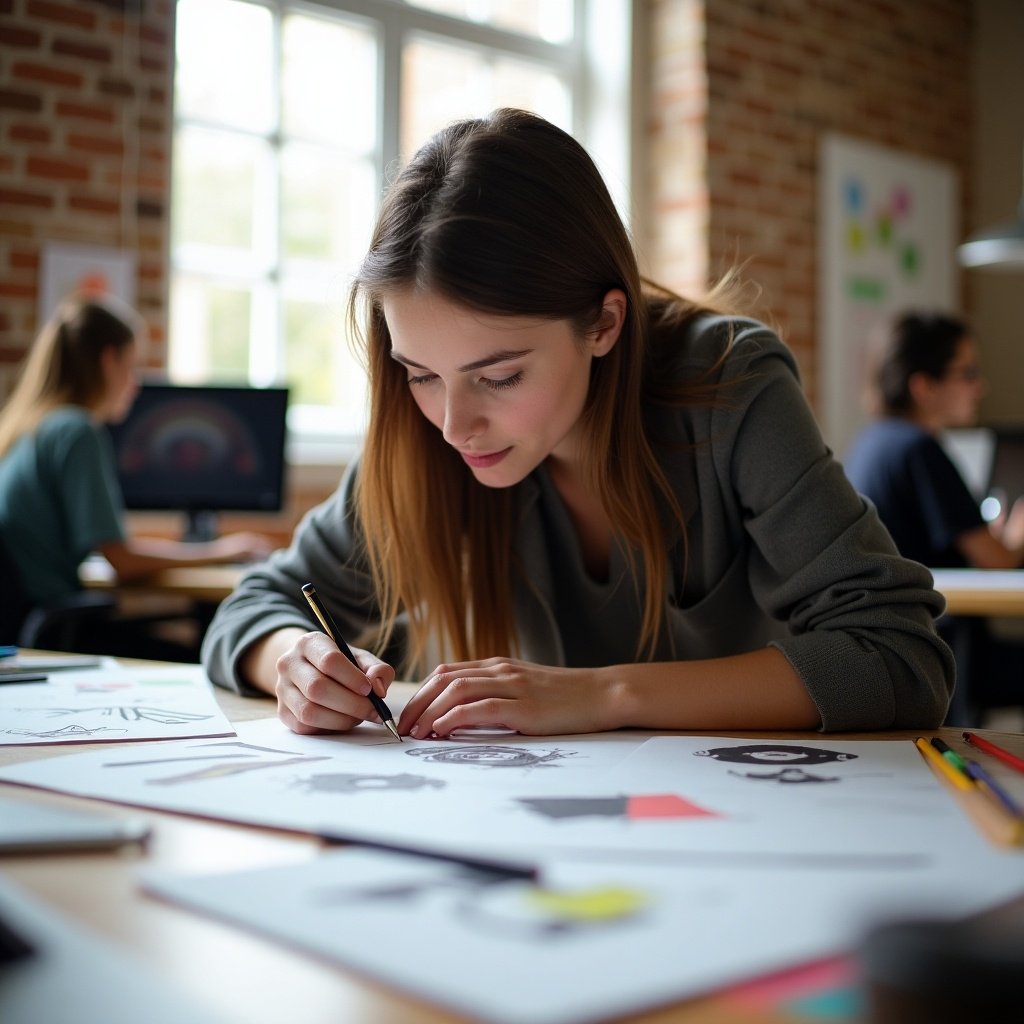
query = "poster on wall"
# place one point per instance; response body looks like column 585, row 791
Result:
column 887, row 235
column 69, row 269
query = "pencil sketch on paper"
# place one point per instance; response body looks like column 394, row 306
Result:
column 489, row 755
column 102, row 704
column 244, row 757
column 503, row 908
column 786, row 776
column 68, row 732
column 347, row 782
column 650, row 807
column 128, row 712
column 774, row 753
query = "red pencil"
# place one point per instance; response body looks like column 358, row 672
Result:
column 990, row 748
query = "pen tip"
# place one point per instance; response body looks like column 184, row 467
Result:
column 394, row 730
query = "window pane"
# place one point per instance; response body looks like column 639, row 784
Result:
column 209, row 330
column 328, row 82
column 319, row 366
column 327, row 206
column 225, row 61
column 443, row 82
column 216, row 188
column 547, row 19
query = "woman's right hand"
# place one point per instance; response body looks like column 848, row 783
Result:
column 319, row 690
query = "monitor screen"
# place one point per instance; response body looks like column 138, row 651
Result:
column 203, row 449
column 1006, row 478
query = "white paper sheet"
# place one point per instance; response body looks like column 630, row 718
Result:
column 102, row 705
column 588, row 796
column 588, row 941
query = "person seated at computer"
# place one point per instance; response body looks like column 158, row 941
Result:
column 927, row 378
column 59, row 495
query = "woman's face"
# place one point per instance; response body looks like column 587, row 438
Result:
column 120, row 371
column 958, row 392
column 505, row 391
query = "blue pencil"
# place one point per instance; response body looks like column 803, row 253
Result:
column 979, row 774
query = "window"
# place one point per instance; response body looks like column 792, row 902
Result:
column 281, row 153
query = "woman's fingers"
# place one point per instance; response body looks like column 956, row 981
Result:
column 320, row 690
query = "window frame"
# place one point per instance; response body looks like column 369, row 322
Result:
column 596, row 63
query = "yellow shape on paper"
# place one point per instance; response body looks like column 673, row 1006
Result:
column 602, row 904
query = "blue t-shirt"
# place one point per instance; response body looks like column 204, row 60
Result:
column 59, row 499
column 919, row 493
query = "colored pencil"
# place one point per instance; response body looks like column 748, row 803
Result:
column 981, row 776
column 996, row 751
column 987, row 812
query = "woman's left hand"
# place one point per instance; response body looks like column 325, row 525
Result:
column 536, row 700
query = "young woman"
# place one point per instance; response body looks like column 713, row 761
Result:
column 599, row 504
column 928, row 379
column 59, row 496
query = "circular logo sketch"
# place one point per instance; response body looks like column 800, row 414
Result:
column 487, row 755
column 774, row 753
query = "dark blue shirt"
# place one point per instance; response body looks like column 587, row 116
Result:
column 919, row 493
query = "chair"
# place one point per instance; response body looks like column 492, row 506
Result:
column 54, row 627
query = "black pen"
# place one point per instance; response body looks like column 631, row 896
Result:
column 330, row 627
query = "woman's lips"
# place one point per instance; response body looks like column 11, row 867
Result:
column 484, row 461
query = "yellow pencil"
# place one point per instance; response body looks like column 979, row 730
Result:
column 991, row 817
column 941, row 765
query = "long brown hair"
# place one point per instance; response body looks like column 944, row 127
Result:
column 65, row 364
column 505, row 215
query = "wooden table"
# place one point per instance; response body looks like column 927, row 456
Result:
column 203, row 583
column 242, row 978
column 981, row 591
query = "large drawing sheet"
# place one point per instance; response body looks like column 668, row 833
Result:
column 105, row 704
column 875, row 804
column 591, row 941
column 269, row 776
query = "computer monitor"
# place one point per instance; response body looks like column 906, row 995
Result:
column 203, row 449
column 1006, row 478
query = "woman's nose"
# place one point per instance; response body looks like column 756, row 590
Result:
column 462, row 421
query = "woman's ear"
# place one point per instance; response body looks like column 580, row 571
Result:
column 609, row 324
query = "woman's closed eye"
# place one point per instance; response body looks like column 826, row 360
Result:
column 500, row 384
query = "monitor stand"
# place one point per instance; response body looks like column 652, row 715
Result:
column 201, row 526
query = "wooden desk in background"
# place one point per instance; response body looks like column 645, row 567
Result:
column 981, row 591
column 205, row 583
column 239, row 976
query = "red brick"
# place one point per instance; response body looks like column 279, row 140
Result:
column 57, row 170
column 12, row 290
column 68, row 14
column 23, row 197
column 96, row 144
column 15, row 35
column 24, row 258
column 87, row 51
column 12, row 99
column 29, row 133
column 116, row 87
column 94, row 204
column 86, row 111
column 32, row 72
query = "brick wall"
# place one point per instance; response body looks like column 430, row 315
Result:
column 777, row 74
column 85, row 109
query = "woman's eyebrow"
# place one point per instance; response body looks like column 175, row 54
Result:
column 495, row 357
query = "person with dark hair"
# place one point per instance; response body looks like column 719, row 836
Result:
column 927, row 378
column 583, row 502
column 59, row 495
